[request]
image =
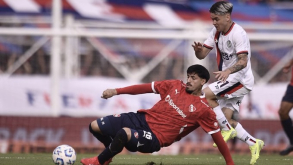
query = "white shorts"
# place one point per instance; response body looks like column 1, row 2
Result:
column 229, row 93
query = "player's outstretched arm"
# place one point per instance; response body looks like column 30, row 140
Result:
column 132, row 90
column 223, row 148
column 200, row 51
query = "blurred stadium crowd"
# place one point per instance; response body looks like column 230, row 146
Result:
column 132, row 53
column 92, row 63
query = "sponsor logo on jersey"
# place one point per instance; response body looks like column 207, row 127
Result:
column 192, row 108
column 176, row 92
column 136, row 135
column 116, row 115
column 171, row 103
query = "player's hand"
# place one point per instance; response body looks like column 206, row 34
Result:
column 109, row 93
column 197, row 47
column 222, row 75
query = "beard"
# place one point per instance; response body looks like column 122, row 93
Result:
column 188, row 91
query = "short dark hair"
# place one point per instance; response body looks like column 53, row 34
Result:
column 221, row 7
column 200, row 70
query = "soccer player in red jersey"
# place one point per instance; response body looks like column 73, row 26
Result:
column 285, row 107
column 181, row 109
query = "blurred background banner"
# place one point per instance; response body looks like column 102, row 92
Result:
column 58, row 56
column 30, row 96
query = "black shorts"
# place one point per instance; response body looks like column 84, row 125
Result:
column 142, row 138
column 288, row 94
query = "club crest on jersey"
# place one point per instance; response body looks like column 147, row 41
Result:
column 229, row 44
column 136, row 135
column 192, row 108
column 216, row 124
column 116, row 115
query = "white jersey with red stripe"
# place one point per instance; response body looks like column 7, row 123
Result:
column 228, row 46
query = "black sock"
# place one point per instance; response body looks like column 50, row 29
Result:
column 288, row 128
column 115, row 147
column 106, row 140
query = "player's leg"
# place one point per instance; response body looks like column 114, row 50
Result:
column 133, row 140
column 227, row 130
column 95, row 130
column 101, row 129
column 212, row 100
column 143, row 141
column 235, row 117
column 255, row 145
column 242, row 134
column 119, row 128
column 116, row 146
column 286, row 121
column 105, row 129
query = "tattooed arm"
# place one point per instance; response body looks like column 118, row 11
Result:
column 241, row 63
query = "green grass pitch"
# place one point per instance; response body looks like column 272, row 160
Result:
column 136, row 159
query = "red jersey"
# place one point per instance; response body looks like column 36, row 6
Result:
column 291, row 82
column 178, row 113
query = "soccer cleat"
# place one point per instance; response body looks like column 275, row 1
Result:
column 94, row 161
column 90, row 161
column 287, row 150
column 108, row 162
column 227, row 135
column 255, row 150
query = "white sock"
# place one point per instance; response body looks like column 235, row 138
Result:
column 243, row 135
column 224, row 124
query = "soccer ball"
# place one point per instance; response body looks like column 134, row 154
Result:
column 64, row 155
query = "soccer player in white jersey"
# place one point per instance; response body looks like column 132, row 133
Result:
column 235, row 78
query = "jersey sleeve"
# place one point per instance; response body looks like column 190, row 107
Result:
column 209, row 42
column 208, row 122
column 241, row 42
column 162, row 87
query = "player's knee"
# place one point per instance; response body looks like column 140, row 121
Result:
column 94, row 127
column 128, row 133
column 119, row 141
column 90, row 128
